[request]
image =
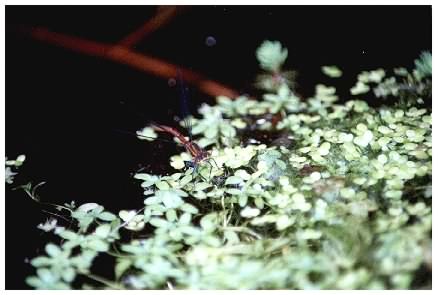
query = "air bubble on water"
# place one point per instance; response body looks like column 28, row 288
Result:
column 210, row 41
column 261, row 121
column 171, row 82
column 253, row 141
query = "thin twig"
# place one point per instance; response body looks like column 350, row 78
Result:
column 243, row 229
column 123, row 55
column 103, row 281
column 127, row 221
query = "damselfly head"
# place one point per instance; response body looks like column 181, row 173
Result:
column 189, row 164
column 219, row 180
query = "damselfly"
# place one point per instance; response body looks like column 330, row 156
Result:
column 197, row 153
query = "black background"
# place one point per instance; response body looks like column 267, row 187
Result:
column 63, row 109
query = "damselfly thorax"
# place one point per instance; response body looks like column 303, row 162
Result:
column 198, row 154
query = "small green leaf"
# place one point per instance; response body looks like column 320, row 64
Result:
column 106, row 216
column 243, row 200
column 98, row 245
column 186, row 207
column 359, row 88
column 171, row 215
column 283, row 222
column 211, row 132
column 162, row 185
column 103, row 230
column 202, row 186
column 53, row 250
column 176, row 235
column 33, row 281
column 185, row 219
column 87, row 207
column 212, row 241
column 271, row 55
column 121, row 267
column 143, row 176
column 185, row 180
column 126, row 215
column 180, row 192
column 231, row 237
column 158, row 222
column 208, row 222
column 280, row 164
column 147, row 183
column 85, row 222
column 190, row 230
column 234, row 191
column 227, row 130
column 46, row 275
column 68, row 274
column 40, row 261
column 68, row 235
column 171, row 200
column 249, row 212
column 152, row 200
column 332, row 71
column 147, row 133
column 259, row 203
column 233, row 180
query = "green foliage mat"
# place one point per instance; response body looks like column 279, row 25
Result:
column 295, row 194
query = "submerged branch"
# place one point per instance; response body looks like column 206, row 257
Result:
column 123, row 55
column 164, row 15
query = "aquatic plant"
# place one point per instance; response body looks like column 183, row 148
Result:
column 11, row 166
column 331, row 196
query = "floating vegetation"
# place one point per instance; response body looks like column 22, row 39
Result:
column 345, row 204
column 10, row 166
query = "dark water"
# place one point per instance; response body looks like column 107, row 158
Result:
column 63, row 108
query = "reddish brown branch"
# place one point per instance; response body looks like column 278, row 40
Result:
column 164, row 16
column 123, row 55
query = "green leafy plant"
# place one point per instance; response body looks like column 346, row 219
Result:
column 12, row 165
column 333, row 196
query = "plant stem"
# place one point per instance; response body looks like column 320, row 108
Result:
column 244, row 230
column 104, row 281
